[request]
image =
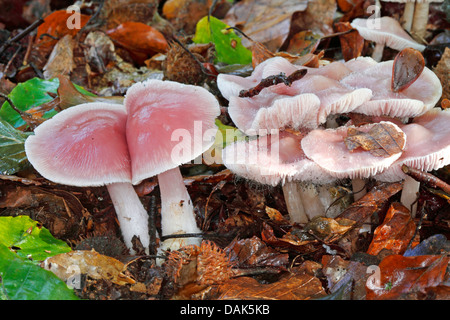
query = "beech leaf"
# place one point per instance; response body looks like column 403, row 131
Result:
column 382, row 140
column 408, row 65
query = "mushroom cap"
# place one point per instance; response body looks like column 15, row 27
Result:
column 304, row 104
column 84, row 145
column 328, row 150
column 273, row 159
column 427, row 146
column 390, row 33
column 168, row 124
column 418, row 98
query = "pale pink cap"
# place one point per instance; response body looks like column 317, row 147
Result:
column 84, row 145
column 389, row 33
column 168, row 124
column 273, row 159
column 427, row 147
column 418, row 98
column 328, row 150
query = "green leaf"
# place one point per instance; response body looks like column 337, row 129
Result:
column 12, row 151
column 228, row 45
column 23, row 280
column 30, row 94
column 28, row 239
column 227, row 135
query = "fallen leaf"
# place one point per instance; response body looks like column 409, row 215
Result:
column 408, row 66
column 90, row 263
column 227, row 44
column 266, row 21
column 401, row 275
column 303, row 42
column 55, row 25
column 138, row 37
column 60, row 61
column 291, row 287
column 396, row 231
column 352, row 43
column 382, row 140
column 442, row 70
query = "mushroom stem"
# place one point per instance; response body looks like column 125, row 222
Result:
column 377, row 53
column 177, row 210
column 419, row 25
column 359, row 188
column 311, row 201
column 408, row 14
column 294, row 204
column 409, row 194
column 132, row 216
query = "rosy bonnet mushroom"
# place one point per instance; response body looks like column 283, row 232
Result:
column 97, row 144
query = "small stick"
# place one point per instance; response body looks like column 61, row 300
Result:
column 271, row 81
column 20, row 35
column 426, row 178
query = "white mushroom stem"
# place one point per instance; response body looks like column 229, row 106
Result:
column 377, row 53
column 409, row 194
column 294, row 204
column 419, row 25
column 359, row 188
column 408, row 14
column 132, row 216
column 177, row 211
column 302, row 201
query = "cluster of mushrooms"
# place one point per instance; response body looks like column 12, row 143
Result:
column 294, row 138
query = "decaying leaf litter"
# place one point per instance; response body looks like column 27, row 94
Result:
column 361, row 246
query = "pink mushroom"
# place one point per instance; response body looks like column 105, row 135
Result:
column 86, row 145
column 417, row 99
column 102, row 144
column 276, row 159
column 388, row 32
column 427, row 148
column 169, row 124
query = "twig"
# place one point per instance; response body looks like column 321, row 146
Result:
column 426, row 178
column 20, row 35
column 271, row 81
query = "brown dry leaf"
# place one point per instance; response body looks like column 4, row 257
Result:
column 395, row 232
column 303, row 42
column 291, row 287
column 442, row 70
column 60, row 61
column 265, row 21
column 408, row 66
column 115, row 12
column 352, row 43
column 400, row 275
column 253, row 252
column 382, row 140
column 371, row 203
column 99, row 52
column 184, row 14
column 318, row 18
column 90, row 263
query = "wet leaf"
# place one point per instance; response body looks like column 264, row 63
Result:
column 396, row 231
column 435, row 244
column 228, row 45
column 55, row 25
column 12, row 150
column 23, row 280
column 291, row 287
column 382, row 140
column 90, row 263
column 400, row 275
column 352, row 43
column 408, row 65
column 28, row 239
column 138, row 37
column 30, row 94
